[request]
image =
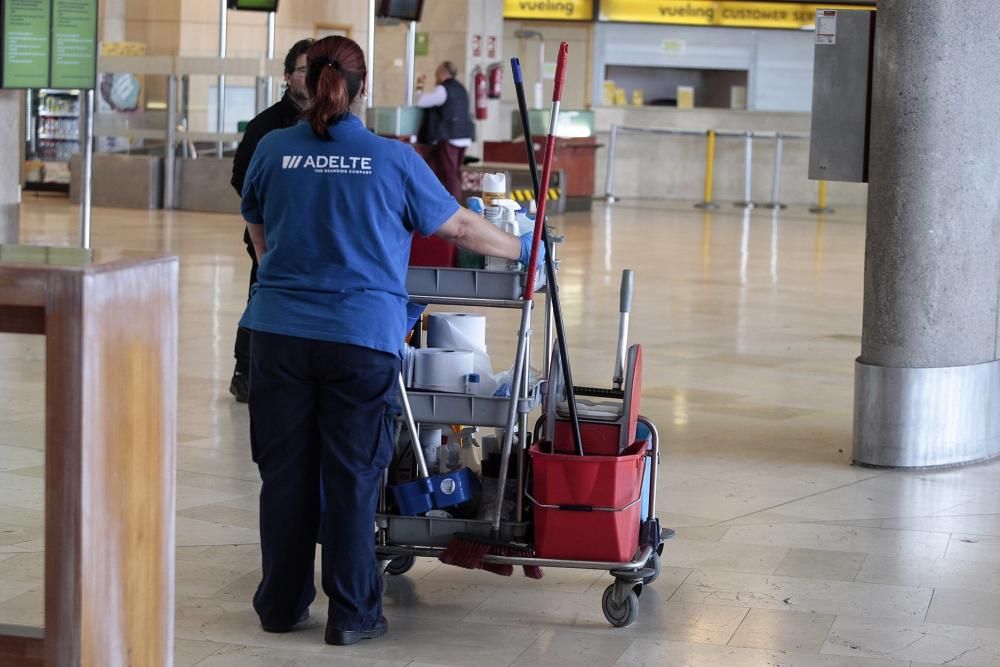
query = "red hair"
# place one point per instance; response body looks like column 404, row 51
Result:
column 336, row 75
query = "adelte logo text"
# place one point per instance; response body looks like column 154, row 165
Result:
column 348, row 164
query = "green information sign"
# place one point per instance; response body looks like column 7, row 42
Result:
column 74, row 44
column 48, row 44
column 26, row 43
column 421, row 46
column 256, row 5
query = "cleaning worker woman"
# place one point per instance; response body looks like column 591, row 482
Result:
column 330, row 208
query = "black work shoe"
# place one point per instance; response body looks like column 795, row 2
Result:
column 239, row 387
column 345, row 637
column 286, row 628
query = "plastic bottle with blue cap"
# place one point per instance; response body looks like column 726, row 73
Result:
column 472, row 453
column 504, row 213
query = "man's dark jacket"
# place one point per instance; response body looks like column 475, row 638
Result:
column 451, row 120
column 283, row 113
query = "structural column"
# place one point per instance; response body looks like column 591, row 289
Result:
column 927, row 383
column 12, row 147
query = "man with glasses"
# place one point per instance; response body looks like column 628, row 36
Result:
column 284, row 113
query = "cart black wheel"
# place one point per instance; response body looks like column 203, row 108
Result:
column 621, row 615
column 652, row 564
column 400, row 565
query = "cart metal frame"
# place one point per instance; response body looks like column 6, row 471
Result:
column 620, row 599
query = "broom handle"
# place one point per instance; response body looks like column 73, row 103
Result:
column 550, row 269
column 550, row 147
column 515, row 398
column 412, row 426
column 529, row 293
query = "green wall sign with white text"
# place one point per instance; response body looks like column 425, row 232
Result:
column 25, row 40
column 74, row 44
column 48, row 44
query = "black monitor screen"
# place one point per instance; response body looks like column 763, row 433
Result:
column 405, row 10
column 255, row 5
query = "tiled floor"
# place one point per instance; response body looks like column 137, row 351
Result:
column 785, row 554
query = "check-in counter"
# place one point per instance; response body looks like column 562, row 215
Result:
column 573, row 160
column 120, row 181
column 574, row 152
column 394, row 121
column 136, row 181
column 203, row 185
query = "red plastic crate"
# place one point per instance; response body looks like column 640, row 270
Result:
column 576, row 484
column 432, row 251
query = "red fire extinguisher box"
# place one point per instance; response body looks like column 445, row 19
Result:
column 587, row 507
column 496, row 80
column 480, row 91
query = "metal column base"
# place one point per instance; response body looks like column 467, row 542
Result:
column 10, row 222
column 926, row 417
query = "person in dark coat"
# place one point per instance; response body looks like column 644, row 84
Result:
column 280, row 115
column 447, row 126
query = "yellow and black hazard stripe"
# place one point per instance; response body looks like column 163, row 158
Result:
column 526, row 195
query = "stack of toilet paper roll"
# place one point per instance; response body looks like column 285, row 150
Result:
column 442, row 370
column 456, row 348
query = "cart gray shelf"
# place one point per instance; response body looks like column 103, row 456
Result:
column 401, row 539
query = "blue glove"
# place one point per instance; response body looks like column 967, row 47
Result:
column 526, row 240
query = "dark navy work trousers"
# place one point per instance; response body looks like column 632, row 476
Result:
column 316, row 405
column 241, row 349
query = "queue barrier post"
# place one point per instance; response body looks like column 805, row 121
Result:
column 747, row 171
column 609, row 179
column 821, row 206
column 706, row 202
column 775, row 203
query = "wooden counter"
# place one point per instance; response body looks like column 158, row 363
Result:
column 110, row 322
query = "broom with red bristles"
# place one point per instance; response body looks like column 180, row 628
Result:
column 465, row 549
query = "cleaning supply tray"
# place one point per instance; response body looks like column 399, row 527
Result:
column 432, row 282
column 438, row 532
column 431, row 407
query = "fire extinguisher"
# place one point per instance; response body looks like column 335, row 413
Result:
column 479, row 83
column 496, row 80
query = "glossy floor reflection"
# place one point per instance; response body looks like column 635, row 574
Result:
column 785, row 554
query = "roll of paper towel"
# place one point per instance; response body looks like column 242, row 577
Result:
column 457, row 331
column 438, row 369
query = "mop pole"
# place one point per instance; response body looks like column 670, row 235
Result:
column 552, row 293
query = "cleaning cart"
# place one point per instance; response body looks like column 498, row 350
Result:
column 584, row 488
column 593, row 512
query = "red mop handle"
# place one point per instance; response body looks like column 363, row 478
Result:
column 543, row 188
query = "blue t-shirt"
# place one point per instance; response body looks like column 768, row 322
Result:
column 338, row 217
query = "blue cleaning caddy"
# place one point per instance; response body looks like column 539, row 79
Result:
column 435, row 492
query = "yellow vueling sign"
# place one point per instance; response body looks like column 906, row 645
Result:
column 549, row 10
column 789, row 15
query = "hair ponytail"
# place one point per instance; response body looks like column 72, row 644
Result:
column 335, row 77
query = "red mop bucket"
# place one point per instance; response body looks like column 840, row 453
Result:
column 587, row 507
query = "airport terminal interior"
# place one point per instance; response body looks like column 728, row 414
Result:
column 783, row 551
